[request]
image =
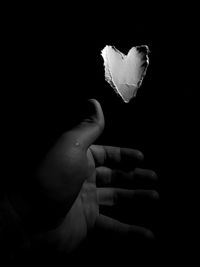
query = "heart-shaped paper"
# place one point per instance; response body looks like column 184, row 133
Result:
column 125, row 72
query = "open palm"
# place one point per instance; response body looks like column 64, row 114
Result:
column 79, row 177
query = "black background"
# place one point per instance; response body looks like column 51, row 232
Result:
column 53, row 65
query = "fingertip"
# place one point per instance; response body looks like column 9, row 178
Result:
column 98, row 115
column 95, row 103
column 140, row 155
column 150, row 235
column 153, row 175
column 93, row 100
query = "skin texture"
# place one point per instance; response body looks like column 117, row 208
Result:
column 76, row 178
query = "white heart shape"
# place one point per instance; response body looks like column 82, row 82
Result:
column 125, row 73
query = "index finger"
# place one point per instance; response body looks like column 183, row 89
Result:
column 115, row 157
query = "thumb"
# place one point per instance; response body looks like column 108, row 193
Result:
column 91, row 127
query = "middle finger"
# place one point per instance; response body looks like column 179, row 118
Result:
column 115, row 196
column 106, row 177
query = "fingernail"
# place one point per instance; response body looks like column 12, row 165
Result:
column 140, row 155
column 154, row 175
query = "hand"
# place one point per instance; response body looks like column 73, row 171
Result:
column 77, row 177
